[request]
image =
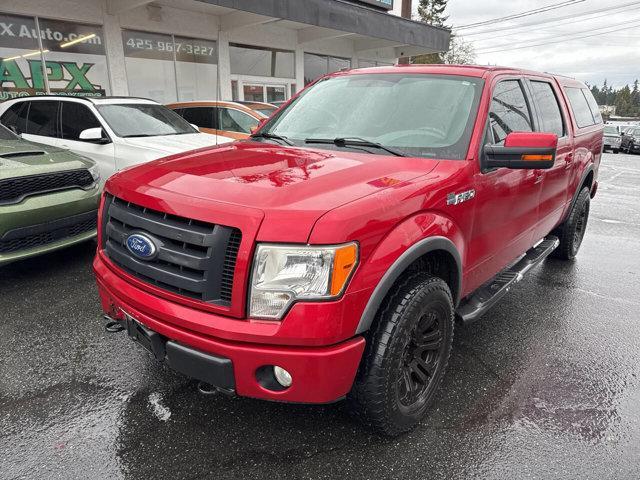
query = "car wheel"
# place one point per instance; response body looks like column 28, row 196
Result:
column 406, row 355
column 571, row 232
column 615, row 150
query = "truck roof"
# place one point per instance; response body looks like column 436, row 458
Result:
column 465, row 70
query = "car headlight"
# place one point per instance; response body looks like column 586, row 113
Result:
column 95, row 172
column 283, row 274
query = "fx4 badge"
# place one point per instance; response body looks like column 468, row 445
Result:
column 456, row 198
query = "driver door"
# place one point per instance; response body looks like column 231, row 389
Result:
column 506, row 200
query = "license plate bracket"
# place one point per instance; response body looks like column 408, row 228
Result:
column 148, row 339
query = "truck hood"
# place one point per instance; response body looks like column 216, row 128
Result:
column 21, row 157
column 292, row 186
column 163, row 145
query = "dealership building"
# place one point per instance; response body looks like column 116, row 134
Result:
column 261, row 50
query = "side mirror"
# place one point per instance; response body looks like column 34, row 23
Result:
column 261, row 122
column 95, row 135
column 195, row 126
column 523, row 150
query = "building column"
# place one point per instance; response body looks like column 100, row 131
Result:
column 299, row 68
column 224, row 67
column 114, row 51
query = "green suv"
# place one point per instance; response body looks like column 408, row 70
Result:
column 48, row 198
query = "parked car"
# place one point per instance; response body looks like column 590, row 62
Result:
column 612, row 138
column 329, row 255
column 115, row 132
column 227, row 119
column 264, row 109
column 48, row 198
column 630, row 141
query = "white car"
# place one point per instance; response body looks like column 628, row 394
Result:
column 115, row 132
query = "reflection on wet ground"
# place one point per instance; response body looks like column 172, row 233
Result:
column 545, row 386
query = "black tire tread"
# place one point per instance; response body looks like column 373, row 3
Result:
column 565, row 231
column 367, row 399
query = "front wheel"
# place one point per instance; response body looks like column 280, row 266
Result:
column 406, row 355
column 615, row 150
column 571, row 232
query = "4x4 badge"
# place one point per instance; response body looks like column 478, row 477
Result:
column 456, row 198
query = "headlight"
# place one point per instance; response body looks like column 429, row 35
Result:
column 283, row 274
column 95, row 172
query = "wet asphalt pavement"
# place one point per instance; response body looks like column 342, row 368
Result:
column 546, row 385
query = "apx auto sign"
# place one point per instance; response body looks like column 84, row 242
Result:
column 74, row 62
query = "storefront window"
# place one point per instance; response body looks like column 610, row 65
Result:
column 261, row 62
column 73, row 53
column 317, row 65
column 167, row 68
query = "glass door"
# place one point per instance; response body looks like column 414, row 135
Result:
column 255, row 92
column 276, row 93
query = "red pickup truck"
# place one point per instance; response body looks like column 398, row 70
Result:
column 330, row 254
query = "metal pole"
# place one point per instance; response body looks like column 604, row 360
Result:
column 42, row 60
column 405, row 12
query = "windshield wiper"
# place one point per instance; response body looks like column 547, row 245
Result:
column 272, row 136
column 354, row 142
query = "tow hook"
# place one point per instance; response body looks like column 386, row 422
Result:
column 113, row 325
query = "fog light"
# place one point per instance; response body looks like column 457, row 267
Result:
column 282, row 376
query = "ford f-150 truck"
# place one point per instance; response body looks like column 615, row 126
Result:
column 329, row 255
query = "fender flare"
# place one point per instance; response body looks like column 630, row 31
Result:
column 409, row 256
column 583, row 177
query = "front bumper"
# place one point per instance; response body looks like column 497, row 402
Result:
column 320, row 374
column 47, row 222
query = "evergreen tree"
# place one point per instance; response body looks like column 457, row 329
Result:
column 432, row 12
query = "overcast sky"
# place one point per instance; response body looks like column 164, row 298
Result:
column 614, row 55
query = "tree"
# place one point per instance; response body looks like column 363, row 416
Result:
column 432, row 12
column 460, row 52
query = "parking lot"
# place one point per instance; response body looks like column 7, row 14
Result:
column 546, row 385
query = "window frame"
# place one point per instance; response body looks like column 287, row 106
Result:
column 539, row 119
column 83, row 105
column 56, row 120
column 527, row 99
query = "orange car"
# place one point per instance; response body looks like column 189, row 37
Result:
column 228, row 119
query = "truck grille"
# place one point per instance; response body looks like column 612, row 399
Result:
column 39, row 235
column 194, row 259
column 14, row 190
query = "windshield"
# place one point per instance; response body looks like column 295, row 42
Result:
column 6, row 134
column 144, row 120
column 417, row 114
column 611, row 129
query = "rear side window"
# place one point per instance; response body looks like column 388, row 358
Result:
column 42, row 118
column 15, row 118
column 76, row 118
column 547, row 104
column 509, row 111
column 200, row 116
column 580, row 107
column 593, row 105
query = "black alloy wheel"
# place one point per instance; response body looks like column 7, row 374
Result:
column 421, row 359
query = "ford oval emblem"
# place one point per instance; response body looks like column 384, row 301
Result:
column 141, row 246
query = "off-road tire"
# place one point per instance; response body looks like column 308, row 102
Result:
column 571, row 232
column 399, row 324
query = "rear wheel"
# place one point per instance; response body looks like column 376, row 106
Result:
column 406, row 355
column 571, row 232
